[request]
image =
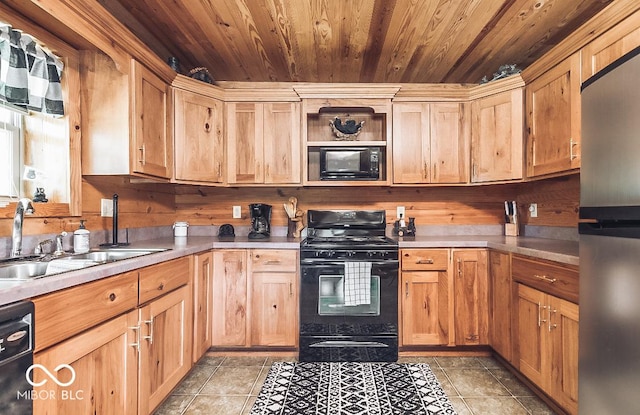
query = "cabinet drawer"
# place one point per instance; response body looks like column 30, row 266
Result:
column 160, row 279
column 274, row 260
column 425, row 259
column 65, row 313
column 550, row 277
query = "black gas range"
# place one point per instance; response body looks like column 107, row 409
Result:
column 349, row 288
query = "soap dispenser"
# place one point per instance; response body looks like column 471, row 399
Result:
column 81, row 239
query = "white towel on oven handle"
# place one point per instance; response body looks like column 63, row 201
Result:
column 357, row 283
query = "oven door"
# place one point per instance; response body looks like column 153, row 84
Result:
column 330, row 330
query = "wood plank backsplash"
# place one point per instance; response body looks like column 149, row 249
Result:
column 152, row 204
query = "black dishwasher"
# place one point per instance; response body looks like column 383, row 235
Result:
column 16, row 356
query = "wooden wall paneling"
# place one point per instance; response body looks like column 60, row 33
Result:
column 436, row 205
column 558, row 201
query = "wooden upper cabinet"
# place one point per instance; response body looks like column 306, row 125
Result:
column 127, row 127
column 497, row 137
column 198, row 137
column 619, row 40
column 263, row 143
column 553, row 119
column 430, row 143
column 153, row 143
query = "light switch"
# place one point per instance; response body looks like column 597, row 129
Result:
column 237, row 212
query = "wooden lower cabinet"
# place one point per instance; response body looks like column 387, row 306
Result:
column 471, row 297
column 165, row 346
column 425, row 311
column 547, row 344
column 500, row 294
column 104, row 360
column 124, row 363
column 229, row 319
column 255, row 297
column 202, row 303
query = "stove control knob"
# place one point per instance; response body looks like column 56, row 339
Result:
column 371, row 254
column 350, row 253
column 330, row 253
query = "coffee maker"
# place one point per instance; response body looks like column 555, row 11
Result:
column 260, row 221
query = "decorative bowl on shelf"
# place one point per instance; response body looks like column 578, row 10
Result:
column 347, row 131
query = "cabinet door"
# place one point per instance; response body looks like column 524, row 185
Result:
column 564, row 352
column 425, row 308
column 496, row 137
column 282, row 143
column 449, row 131
column 165, row 346
column 500, row 313
column 553, row 119
column 202, row 303
column 274, row 305
column 199, row 145
column 152, row 126
column 104, row 360
column 471, row 297
column 245, row 142
column 411, row 143
column 532, row 320
column 229, row 317
column 611, row 45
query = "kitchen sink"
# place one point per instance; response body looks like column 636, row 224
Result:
column 25, row 268
column 22, row 270
column 113, row 254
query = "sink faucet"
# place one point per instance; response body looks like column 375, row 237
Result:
column 24, row 206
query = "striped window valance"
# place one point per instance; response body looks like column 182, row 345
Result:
column 29, row 75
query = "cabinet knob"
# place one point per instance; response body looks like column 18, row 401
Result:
column 112, row 297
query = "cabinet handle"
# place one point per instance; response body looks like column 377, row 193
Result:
column 545, row 278
column 290, row 289
column 571, row 145
column 406, row 289
column 425, row 261
column 474, row 170
column 150, row 336
column 551, row 326
column 137, row 342
column 540, row 319
column 273, row 262
column 142, row 155
column 219, row 170
column 459, row 267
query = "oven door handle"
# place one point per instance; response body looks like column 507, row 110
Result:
column 385, row 264
column 347, row 343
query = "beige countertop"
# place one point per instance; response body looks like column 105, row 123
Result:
column 551, row 249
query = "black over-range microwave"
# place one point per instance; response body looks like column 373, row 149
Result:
column 349, row 163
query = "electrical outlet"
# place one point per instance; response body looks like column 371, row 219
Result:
column 533, row 210
column 400, row 212
column 106, row 208
column 237, row 212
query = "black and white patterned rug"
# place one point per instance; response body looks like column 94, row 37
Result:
column 351, row 388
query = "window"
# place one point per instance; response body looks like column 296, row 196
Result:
column 11, row 151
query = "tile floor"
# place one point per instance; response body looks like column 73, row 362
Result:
column 229, row 386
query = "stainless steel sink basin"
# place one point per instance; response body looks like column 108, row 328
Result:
column 17, row 271
column 25, row 268
column 113, row 254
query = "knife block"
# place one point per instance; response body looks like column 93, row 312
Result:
column 511, row 229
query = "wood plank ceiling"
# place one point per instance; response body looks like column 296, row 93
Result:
column 425, row 41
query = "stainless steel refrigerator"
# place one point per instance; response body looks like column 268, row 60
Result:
column 609, row 339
